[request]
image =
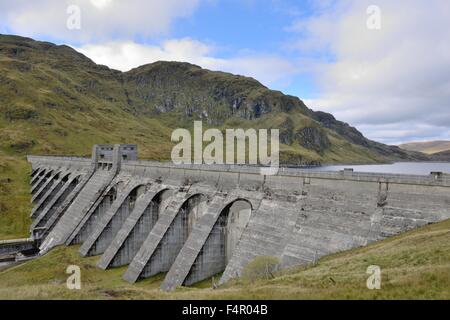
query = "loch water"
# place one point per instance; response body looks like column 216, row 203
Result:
column 415, row 168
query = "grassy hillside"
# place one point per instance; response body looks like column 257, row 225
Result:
column 428, row 147
column 414, row 265
column 14, row 197
column 54, row 100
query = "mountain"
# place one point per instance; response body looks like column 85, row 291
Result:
column 54, row 100
column 428, row 147
column 441, row 156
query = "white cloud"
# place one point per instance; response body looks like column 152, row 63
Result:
column 125, row 55
column 396, row 77
column 112, row 33
column 100, row 19
column 271, row 70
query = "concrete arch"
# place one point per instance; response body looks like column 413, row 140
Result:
column 49, row 192
column 191, row 211
column 42, row 192
column 42, row 179
column 86, row 194
column 210, row 251
column 37, row 176
column 34, row 172
column 238, row 217
column 176, row 235
column 168, row 236
column 55, row 211
column 110, row 224
column 136, row 228
column 96, row 213
column 223, row 239
column 68, row 183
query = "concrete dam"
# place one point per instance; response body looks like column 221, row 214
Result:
column 196, row 221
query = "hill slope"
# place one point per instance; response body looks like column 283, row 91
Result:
column 428, row 147
column 414, row 265
column 54, row 100
column 441, row 156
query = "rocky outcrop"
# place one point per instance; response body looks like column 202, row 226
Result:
column 313, row 138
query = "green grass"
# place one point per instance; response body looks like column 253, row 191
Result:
column 14, row 198
column 414, row 265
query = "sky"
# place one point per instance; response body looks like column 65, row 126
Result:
column 383, row 66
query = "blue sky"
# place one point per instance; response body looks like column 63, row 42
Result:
column 324, row 51
column 253, row 26
column 250, row 26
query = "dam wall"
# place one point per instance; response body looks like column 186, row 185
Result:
column 196, row 221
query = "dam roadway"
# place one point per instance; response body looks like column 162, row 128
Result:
column 196, row 221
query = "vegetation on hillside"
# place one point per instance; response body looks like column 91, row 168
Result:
column 15, row 205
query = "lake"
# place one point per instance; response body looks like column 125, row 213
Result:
column 417, row 168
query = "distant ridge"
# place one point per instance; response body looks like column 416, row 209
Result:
column 428, row 147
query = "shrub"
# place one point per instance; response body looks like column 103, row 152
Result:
column 263, row 267
column 19, row 112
